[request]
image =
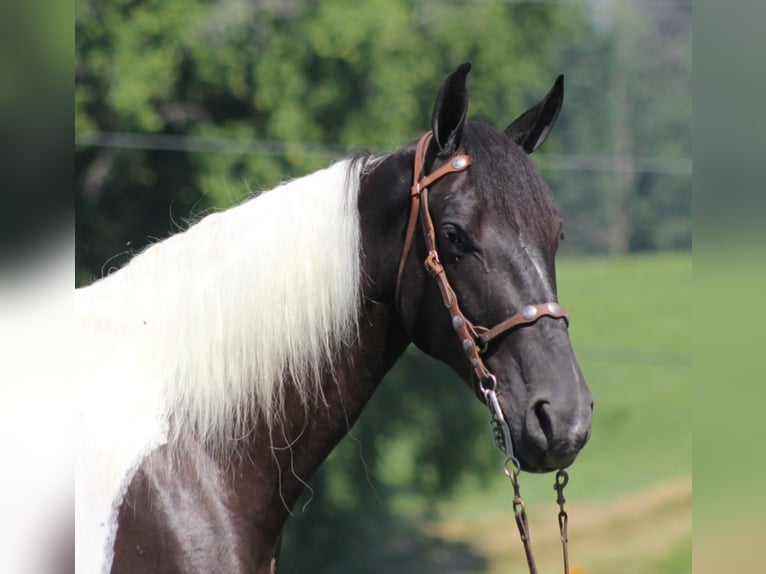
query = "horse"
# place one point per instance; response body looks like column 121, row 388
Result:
column 221, row 366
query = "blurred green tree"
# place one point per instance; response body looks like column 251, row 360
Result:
column 627, row 126
column 304, row 81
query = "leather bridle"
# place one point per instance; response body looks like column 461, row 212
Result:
column 473, row 338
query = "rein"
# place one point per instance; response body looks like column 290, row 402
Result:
column 475, row 338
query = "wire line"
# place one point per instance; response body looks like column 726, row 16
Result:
column 273, row 148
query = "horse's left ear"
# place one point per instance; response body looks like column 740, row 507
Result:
column 531, row 128
column 450, row 111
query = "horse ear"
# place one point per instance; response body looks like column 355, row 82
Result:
column 450, row 110
column 532, row 127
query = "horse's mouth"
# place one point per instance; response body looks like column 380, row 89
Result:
column 546, row 463
column 556, row 453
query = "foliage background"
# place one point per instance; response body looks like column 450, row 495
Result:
column 183, row 106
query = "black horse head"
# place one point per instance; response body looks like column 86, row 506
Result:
column 497, row 232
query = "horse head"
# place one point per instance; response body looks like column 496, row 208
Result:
column 496, row 232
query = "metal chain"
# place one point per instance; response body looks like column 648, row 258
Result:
column 511, row 467
column 500, row 430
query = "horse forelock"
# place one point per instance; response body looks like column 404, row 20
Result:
column 241, row 302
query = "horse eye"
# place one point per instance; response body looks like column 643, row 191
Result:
column 453, row 235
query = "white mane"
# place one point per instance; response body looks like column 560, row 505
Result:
column 226, row 311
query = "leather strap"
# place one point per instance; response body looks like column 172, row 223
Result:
column 420, row 183
column 527, row 315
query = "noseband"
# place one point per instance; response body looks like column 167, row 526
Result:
column 474, row 339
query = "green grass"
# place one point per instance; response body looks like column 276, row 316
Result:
column 631, row 327
column 640, row 304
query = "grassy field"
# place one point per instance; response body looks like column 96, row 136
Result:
column 629, row 498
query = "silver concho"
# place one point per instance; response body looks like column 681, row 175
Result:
column 467, row 345
column 529, row 312
column 554, row 308
column 457, row 322
column 459, row 162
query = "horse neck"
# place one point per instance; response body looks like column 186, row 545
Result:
column 301, row 440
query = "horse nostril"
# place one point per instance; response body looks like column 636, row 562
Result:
column 543, row 418
column 539, row 424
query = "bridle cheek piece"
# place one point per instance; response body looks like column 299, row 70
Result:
column 474, row 339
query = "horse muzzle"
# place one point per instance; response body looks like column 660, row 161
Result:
column 545, row 401
column 553, row 434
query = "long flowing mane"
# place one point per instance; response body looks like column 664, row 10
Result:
column 246, row 299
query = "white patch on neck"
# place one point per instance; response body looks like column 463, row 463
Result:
column 119, row 421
